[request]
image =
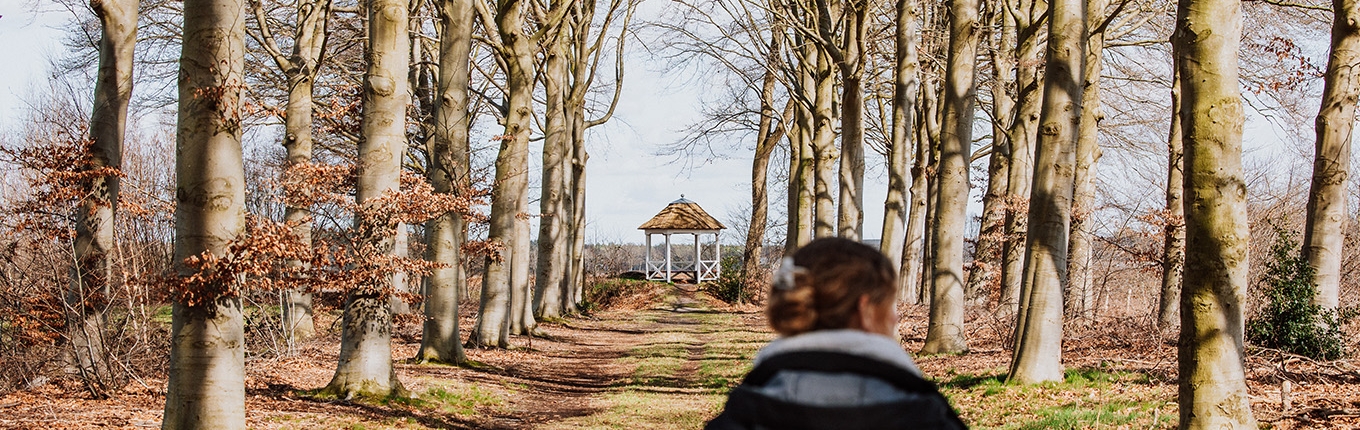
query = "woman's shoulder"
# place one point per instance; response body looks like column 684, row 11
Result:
column 848, row 341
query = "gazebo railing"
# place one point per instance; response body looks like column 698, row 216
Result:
column 708, row 270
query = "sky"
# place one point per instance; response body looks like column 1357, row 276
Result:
column 628, row 180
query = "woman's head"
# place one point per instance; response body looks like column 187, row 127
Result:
column 833, row 284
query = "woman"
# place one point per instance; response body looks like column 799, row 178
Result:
column 837, row 363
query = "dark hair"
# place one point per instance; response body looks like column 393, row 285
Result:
column 825, row 293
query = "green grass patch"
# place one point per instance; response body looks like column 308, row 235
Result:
column 627, row 409
column 1086, row 398
column 464, row 402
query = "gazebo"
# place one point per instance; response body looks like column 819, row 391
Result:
column 683, row 217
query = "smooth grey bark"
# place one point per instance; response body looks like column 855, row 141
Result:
column 206, row 387
column 1080, row 284
column 557, row 145
column 1039, row 325
column 1023, row 131
column 944, row 333
column 801, row 201
column 1212, row 382
column 825, row 153
column 914, row 288
column 849, row 58
column 991, row 236
column 510, row 191
column 1323, row 234
column 1173, row 233
column 906, row 87
column 768, row 135
column 365, row 367
column 450, row 159
column 299, row 68
column 88, row 288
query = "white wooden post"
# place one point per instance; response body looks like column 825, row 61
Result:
column 698, row 259
column 647, row 261
column 668, row 257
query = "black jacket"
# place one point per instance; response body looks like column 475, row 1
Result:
column 748, row 408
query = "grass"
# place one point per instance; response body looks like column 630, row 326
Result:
column 631, row 409
column 1086, row 398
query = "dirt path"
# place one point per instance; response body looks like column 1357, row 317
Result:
column 661, row 367
column 668, row 365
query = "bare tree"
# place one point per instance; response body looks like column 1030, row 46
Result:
column 365, row 361
column 1173, row 232
column 1323, row 233
column 906, row 87
column 206, row 386
column 95, row 213
column 1213, row 389
column 945, row 333
column 449, row 173
column 1029, row 16
column 1038, row 329
column 300, row 68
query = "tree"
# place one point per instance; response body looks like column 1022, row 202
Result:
column 945, row 331
column 906, row 86
column 1173, row 232
column 1323, row 232
column 1213, row 390
column 1029, row 19
column 503, row 299
column 300, row 69
column 206, row 386
column 365, row 362
column 450, row 159
column 94, row 218
column 1080, row 294
column 1038, row 330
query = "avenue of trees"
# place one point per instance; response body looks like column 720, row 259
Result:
column 374, row 155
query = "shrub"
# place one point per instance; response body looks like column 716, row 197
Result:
column 728, row 286
column 1290, row 321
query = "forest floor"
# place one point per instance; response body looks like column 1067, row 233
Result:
column 666, row 360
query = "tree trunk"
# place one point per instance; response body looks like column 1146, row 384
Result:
column 512, row 182
column 301, row 69
column 915, row 248
column 1173, row 234
column 850, row 218
column 802, row 202
column 768, row 134
column 552, row 230
column 824, row 148
column 1038, row 330
column 1323, row 234
column 449, row 174
column 88, row 292
column 206, row 386
column 365, row 362
column 1081, row 287
column 1213, row 389
column 578, row 214
column 906, row 86
column 1023, row 132
column 945, row 332
column 992, row 228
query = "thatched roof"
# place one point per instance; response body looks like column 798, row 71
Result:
column 682, row 215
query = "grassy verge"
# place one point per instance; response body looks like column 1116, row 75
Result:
column 1087, row 398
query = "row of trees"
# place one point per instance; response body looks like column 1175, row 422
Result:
column 377, row 105
column 1044, row 113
